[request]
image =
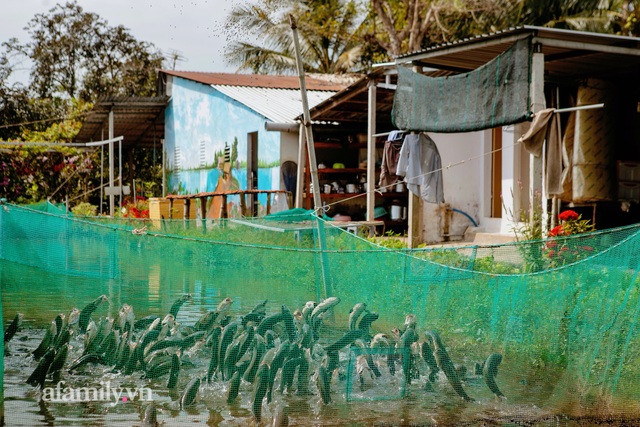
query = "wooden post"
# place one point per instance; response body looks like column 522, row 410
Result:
column 268, row 203
column 243, row 206
column 224, row 213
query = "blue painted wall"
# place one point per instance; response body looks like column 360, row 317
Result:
column 199, row 120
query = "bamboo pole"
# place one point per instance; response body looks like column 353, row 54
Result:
column 313, row 166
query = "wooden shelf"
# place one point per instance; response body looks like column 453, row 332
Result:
column 333, row 145
column 341, row 170
column 338, row 196
column 392, row 194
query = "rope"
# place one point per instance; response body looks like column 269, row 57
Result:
column 378, row 190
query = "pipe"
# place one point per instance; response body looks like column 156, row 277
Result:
column 475, row 224
column 282, row 127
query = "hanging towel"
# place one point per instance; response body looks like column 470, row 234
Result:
column 421, row 167
column 390, row 156
column 533, row 139
column 546, row 126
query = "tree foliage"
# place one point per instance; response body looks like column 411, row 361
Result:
column 261, row 39
column 380, row 30
column 76, row 54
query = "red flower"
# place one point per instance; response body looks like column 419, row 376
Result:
column 556, row 231
column 552, row 244
column 568, row 215
column 587, row 248
column 551, row 254
column 564, row 248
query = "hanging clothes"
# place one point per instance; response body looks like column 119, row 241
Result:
column 421, row 167
column 390, row 156
column 546, row 126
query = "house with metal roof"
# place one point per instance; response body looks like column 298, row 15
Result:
column 210, row 113
column 477, row 98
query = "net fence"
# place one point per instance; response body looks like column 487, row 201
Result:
column 336, row 328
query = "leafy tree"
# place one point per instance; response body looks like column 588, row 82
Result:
column 404, row 26
column 583, row 15
column 328, row 32
column 76, row 54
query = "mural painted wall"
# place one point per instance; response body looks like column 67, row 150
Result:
column 199, row 121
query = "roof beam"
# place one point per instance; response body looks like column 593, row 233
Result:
column 566, row 44
column 460, row 47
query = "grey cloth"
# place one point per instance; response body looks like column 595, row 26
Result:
column 421, row 167
column 546, row 126
column 390, row 155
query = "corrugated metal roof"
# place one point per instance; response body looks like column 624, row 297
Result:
column 278, row 105
column 139, row 119
column 312, row 82
column 567, row 54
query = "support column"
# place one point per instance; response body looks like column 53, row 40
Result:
column 111, row 164
column 415, row 211
column 371, row 151
column 536, row 164
column 302, row 160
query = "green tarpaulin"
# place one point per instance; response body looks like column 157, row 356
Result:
column 496, row 94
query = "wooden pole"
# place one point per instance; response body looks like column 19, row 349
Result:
column 313, row 165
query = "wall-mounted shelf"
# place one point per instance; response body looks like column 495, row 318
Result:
column 351, row 154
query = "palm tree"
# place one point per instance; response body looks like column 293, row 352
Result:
column 601, row 16
column 328, row 31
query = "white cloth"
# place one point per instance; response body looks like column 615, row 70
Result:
column 421, row 167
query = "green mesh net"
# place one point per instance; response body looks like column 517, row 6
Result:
column 530, row 332
column 495, row 94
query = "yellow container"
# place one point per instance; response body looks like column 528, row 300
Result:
column 160, row 208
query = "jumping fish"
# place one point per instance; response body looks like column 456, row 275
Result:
column 46, row 341
column 190, row 393
column 367, row 320
column 446, row 365
column 174, row 372
column 224, row 306
column 410, row 321
column 213, row 363
column 268, row 322
column 324, row 306
column 429, row 359
column 58, row 361
column 150, row 418
column 13, row 327
column 87, row 311
column 261, row 386
column 40, row 373
column 365, row 374
column 85, row 359
column 289, row 325
column 346, row 339
column 234, row 386
column 280, row 417
column 354, row 314
column 490, row 372
column 175, row 307
column 324, row 384
column 260, row 308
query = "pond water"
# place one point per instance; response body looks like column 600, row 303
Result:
column 40, row 296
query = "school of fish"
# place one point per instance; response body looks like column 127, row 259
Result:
column 255, row 352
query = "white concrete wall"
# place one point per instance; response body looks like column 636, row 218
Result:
column 462, row 163
column 466, row 161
